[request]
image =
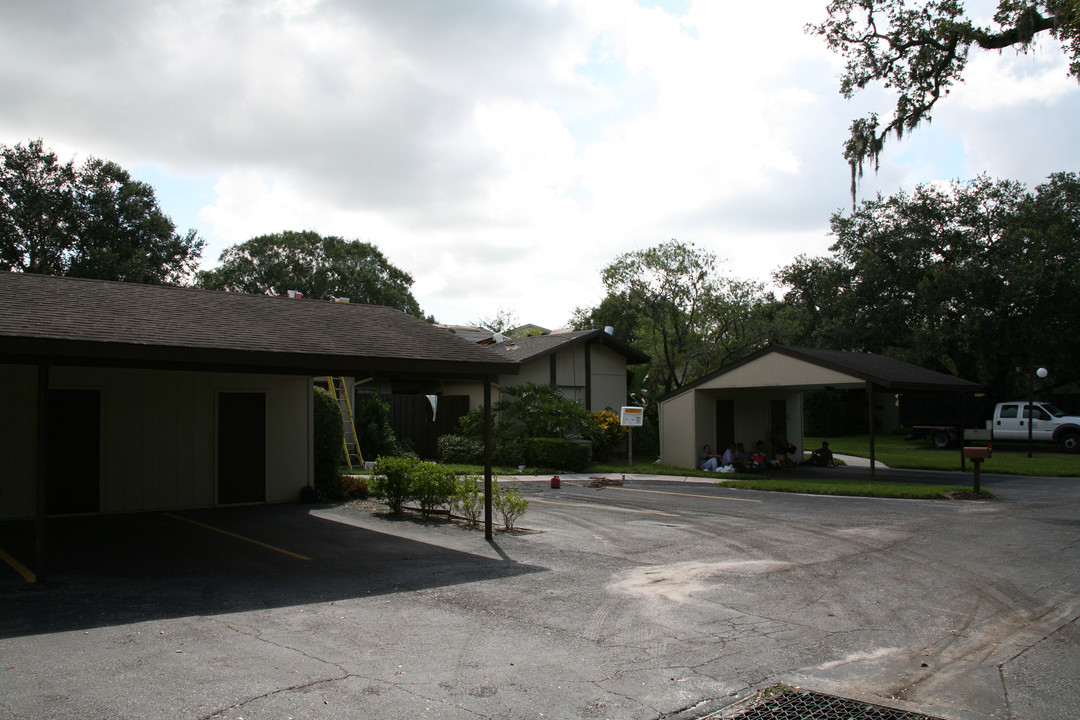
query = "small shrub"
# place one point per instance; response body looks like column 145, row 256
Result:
column 468, row 500
column 558, row 453
column 432, row 486
column 343, row 487
column 356, row 488
column 539, row 410
column 391, row 480
column 372, row 422
column 509, row 504
column 471, row 424
column 606, row 433
column 460, row 449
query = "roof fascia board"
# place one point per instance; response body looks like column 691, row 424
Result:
column 77, row 353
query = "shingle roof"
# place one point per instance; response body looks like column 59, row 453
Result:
column 538, row 346
column 884, row 372
column 70, row 320
column 881, row 370
column 469, row 332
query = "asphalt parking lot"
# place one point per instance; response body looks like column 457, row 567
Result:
column 659, row 599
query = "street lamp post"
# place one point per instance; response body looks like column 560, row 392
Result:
column 1041, row 373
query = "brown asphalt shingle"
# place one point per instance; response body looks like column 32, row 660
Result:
column 126, row 323
column 538, row 346
column 882, row 371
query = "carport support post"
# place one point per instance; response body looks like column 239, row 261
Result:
column 487, row 458
column 870, row 421
column 41, row 534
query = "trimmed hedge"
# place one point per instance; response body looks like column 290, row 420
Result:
column 328, row 433
column 558, row 453
column 459, row 449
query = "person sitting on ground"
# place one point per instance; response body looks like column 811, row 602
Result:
column 822, row 456
column 785, row 451
column 757, row 458
column 708, row 461
column 742, row 460
column 728, row 458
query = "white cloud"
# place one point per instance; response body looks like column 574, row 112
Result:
column 500, row 152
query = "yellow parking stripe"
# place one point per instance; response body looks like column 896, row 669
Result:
column 238, row 537
column 602, row 507
column 18, row 567
column 666, row 492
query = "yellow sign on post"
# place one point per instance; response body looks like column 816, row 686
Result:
column 631, row 417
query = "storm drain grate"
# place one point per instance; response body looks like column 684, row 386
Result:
column 802, row 705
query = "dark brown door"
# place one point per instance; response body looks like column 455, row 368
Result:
column 73, row 459
column 779, row 420
column 241, row 449
column 725, row 425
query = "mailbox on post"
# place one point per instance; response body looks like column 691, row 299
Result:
column 977, row 455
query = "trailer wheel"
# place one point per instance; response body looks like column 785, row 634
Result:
column 941, row 439
column 1071, row 442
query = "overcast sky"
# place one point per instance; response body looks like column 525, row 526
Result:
column 502, row 151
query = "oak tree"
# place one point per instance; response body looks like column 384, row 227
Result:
column 91, row 221
column 321, row 268
column 974, row 279
column 920, row 51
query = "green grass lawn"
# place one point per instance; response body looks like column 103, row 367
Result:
column 859, row 488
column 1008, row 458
column 893, row 450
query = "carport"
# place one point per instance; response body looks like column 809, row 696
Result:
column 121, row 397
column 761, row 397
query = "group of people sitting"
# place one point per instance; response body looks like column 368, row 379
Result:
column 736, row 459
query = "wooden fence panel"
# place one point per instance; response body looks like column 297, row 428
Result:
column 411, row 419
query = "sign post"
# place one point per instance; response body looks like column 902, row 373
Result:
column 631, row 417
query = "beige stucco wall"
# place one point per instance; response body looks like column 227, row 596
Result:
column 538, row 371
column 18, row 430
column 158, row 435
column 470, row 388
column 608, row 370
column 678, row 437
column 688, row 421
column 609, row 379
column 778, row 370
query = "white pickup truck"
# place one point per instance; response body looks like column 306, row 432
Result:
column 1048, row 424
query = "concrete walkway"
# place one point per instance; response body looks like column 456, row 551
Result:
column 855, row 461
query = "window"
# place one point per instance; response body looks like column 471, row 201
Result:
column 1039, row 413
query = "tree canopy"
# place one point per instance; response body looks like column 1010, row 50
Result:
column 674, row 303
column 978, row 279
column 920, row 50
column 90, row 221
column 322, row 268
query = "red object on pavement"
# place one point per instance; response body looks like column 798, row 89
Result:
column 556, row 483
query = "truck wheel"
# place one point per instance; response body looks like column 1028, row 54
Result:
column 941, row 439
column 1071, row 442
